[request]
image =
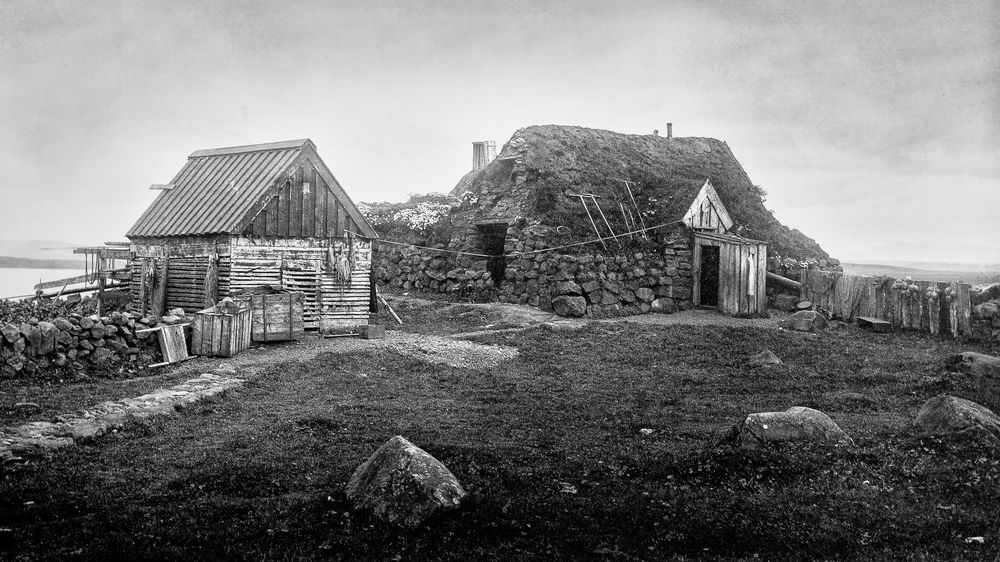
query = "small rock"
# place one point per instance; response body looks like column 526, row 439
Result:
column 179, row 312
column 946, row 414
column 573, row 307
column 11, row 333
column 86, row 323
column 568, row 288
column 98, row 331
column 28, row 407
column 100, row 356
column 63, row 324
column 171, row 319
column 765, row 357
column 796, row 424
column 646, row 431
column 806, row 321
column 645, row 294
column 403, row 484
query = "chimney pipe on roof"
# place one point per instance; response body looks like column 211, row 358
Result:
column 656, row 132
column 483, row 153
column 670, row 130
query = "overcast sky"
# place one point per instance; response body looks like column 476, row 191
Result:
column 873, row 126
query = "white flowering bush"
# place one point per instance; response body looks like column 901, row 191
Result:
column 422, row 217
column 419, row 215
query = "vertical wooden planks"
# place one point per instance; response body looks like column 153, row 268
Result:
column 271, row 221
column 696, row 273
column 341, row 221
column 742, row 277
column 319, row 216
column 283, row 210
column 295, row 210
column 762, row 278
column 309, row 210
column 331, row 213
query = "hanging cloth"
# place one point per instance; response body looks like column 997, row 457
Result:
column 751, row 277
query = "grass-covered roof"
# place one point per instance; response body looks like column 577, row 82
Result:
column 540, row 167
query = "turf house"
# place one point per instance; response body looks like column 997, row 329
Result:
column 237, row 218
column 593, row 222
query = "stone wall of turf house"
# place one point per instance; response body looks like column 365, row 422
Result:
column 630, row 277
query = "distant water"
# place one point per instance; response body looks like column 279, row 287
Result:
column 17, row 282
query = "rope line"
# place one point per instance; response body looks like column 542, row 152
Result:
column 532, row 252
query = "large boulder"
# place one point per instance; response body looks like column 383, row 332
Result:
column 796, row 424
column 402, row 483
column 946, row 414
column 573, row 307
column 806, row 321
column 977, row 364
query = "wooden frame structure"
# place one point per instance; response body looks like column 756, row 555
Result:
column 241, row 217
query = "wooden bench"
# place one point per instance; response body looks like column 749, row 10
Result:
column 874, row 324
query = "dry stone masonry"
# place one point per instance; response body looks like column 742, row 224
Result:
column 592, row 282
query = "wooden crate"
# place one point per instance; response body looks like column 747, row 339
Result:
column 219, row 334
column 277, row 316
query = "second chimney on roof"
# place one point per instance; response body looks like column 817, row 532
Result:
column 670, row 130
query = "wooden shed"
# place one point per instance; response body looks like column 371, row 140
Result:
column 233, row 219
column 728, row 272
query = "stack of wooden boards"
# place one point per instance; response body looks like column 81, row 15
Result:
column 848, row 297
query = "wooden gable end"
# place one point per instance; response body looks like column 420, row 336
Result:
column 307, row 202
column 707, row 211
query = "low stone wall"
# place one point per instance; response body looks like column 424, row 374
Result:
column 74, row 342
column 591, row 282
column 986, row 321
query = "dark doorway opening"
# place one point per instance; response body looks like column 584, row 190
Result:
column 709, row 276
column 494, row 239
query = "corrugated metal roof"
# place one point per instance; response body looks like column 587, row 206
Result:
column 216, row 189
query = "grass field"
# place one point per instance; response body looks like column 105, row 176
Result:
column 549, row 447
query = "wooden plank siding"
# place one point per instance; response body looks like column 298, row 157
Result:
column 296, row 212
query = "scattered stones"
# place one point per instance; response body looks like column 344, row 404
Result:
column 946, row 414
column 67, row 429
column 806, row 321
column 764, row 358
column 401, row 483
column 796, row 424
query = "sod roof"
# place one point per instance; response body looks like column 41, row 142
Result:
column 541, row 167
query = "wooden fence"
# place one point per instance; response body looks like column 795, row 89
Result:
column 938, row 308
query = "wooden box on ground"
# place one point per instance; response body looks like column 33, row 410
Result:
column 277, row 316
column 221, row 334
